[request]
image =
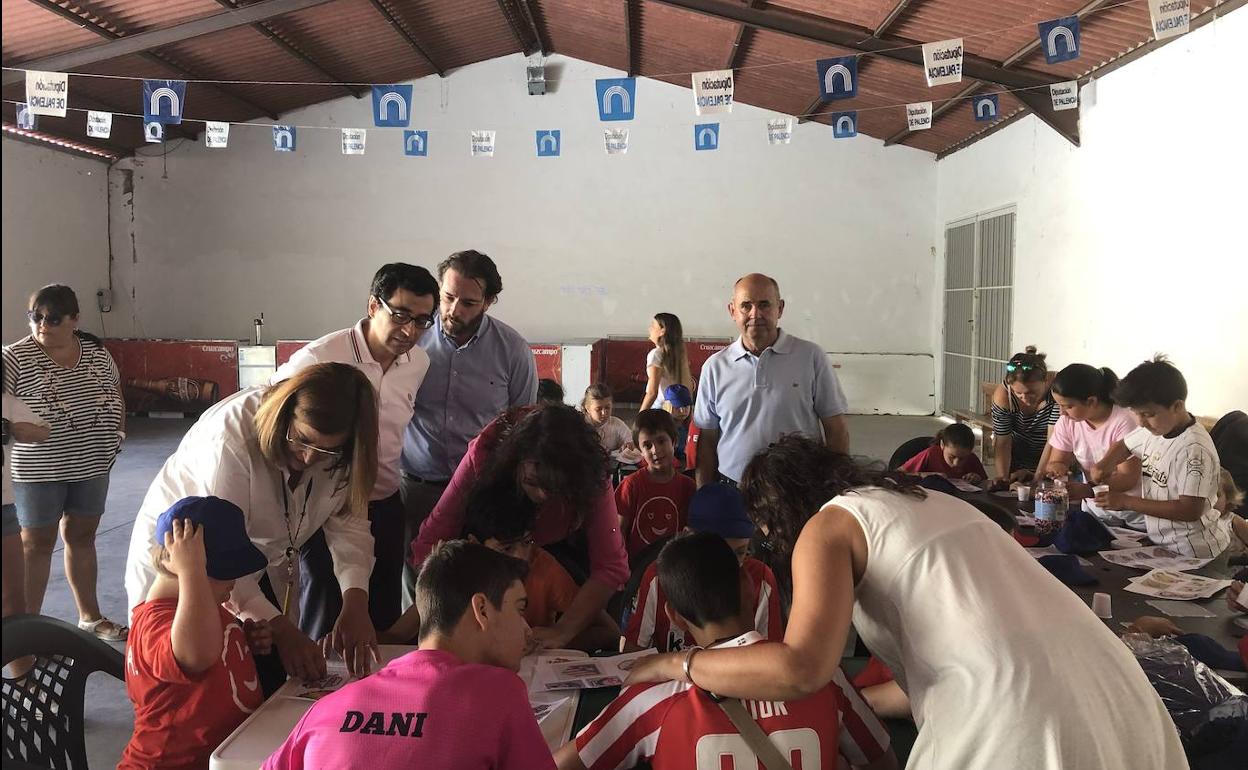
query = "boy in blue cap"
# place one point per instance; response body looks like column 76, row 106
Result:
column 679, row 401
column 720, row 509
column 189, row 665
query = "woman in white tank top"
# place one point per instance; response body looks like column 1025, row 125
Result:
column 1005, row 667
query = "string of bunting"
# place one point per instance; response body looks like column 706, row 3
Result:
column 164, row 101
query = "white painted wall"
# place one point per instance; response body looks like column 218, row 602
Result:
column 54, row 230
column 588, row 245
column 1137, row 241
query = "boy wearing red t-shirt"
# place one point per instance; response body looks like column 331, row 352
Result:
column 952, row 455
column 455, row 703
column 676, row 726
column 189, row 665
column 653, row 503
column 716, row 508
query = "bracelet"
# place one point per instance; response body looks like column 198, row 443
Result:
column 689, row 662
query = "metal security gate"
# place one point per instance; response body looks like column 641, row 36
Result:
column 979, row 280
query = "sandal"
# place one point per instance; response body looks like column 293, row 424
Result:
column 115, row 632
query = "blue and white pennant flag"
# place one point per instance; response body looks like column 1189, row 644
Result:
column 985, row 107
column 706, row 136
column 284, row 138
column 617, row 98
column 548, row 143
column 392, row 106
column 838, row 77
column 845, row 124
column 416, row 144
column 164, row 101
column 1059, row 39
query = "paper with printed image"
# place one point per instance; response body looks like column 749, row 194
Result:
column 584, row 674
column 1167, row 584
column 336, row 676
column 1153, row 557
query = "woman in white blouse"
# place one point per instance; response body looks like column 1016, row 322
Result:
column 296, row 457
column 1005, row 667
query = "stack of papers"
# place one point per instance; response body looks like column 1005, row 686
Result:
column 1166, row 584
column 1153, row 557
column 963, row 486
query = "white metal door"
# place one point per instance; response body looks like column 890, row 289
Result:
column 979, row 294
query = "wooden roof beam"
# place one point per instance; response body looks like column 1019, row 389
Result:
column 141, row 42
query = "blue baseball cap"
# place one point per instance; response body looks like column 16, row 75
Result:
column 231, row 554
column 719, row 508
column 678, row 396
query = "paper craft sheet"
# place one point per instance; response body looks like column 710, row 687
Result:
column 1153, row 557
column 1165, row 584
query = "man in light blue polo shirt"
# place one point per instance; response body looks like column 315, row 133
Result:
column 764, row 385
column 479, row 367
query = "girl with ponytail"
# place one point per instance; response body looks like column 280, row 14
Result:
column 1089, row 425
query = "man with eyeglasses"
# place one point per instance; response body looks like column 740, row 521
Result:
column 479, row 367
column 383, row 345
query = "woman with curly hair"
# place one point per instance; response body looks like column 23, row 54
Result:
column 1004, row 665
column 553, row 456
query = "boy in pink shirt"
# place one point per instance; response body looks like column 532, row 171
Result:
column 455, row 703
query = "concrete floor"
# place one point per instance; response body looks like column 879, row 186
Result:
column 108, row 714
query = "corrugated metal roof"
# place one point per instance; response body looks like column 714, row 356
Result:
column 381, row 41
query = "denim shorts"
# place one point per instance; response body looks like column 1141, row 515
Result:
column 41, row 503
column 11, row 527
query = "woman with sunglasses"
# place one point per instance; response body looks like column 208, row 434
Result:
column 298, row 457
column 70, row 381
column 550, row 454
column 1023, row 416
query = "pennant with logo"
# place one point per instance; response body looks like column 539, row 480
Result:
column 1059, row 39
column 416, row 144
column 284, row 138
column 548, row 143
column 616, row 140
column 844, row 125
column 25, row 118
column 942, row 62
column 706, row 136
column 838, row 77
column 99, row 124
column 353, row 141
column 616, row 98
column 154, row 132
column 919, row 116
column 482, row 144
column 392, row 106
column 164, row 101
column 712, row 92
column 216, row 134
column 985, row 107
column 47, row 93
column 780, row 131
column 1171, row 18
column 1065, row 95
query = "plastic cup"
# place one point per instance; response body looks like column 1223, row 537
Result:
column 1024, row 493
column 1101, row 606
column 1100, row 489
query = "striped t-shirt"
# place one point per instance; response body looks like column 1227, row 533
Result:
column 1030, row 431
column 83, row 404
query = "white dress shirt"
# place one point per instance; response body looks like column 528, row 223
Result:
column 395, row 388
column 220, row 456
